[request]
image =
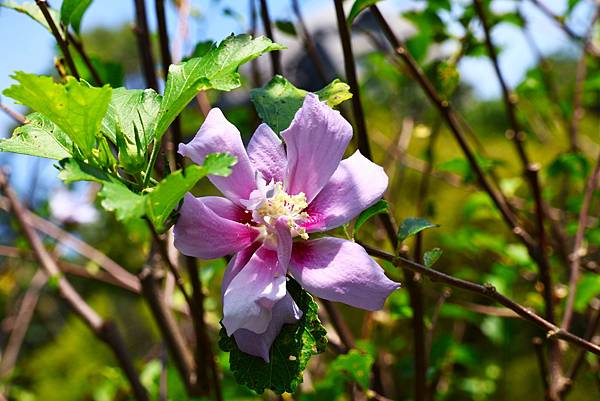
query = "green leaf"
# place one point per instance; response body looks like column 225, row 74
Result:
column 75, row 107
column 72, row 170
column 588, row 288
column 431, row 256
column 71, row 12
column 286, row 27
column 358, row 7
column 378, row 208
column 355, row 365
column 31, row 9
column 290, row 352
column 167, row 194
column 132, row 112
column 38, row 137
column 412, row 226
column 118, row 198
column 217, row 69
column 278, row 101
column 335, row 93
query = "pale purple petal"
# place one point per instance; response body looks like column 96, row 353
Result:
column 267, row 154
column 218, row 135
column 249, row 299
column 356, row 184
column 236, row 263
column 284, row 312
column 201, row 232
column 227, row 209
column 341, row 271
column 315, row 143
column 284, row 242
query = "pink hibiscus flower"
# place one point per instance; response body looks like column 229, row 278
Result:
column 277, row 196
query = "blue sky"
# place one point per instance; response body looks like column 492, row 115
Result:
column 26, row 46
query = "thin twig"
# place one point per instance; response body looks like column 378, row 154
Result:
column 452, row 120
column 350, row 69
column 88, row 63
column 43, row 6
column 580, row 358
column 15, row 115
column 144, row 44
column 104, row 330
column 22, row 320
column 166, row 61
column 309, row 43
column 487, row 290
column 340, row 326
column 578, row 249
column 538, row 346
column 275, row 56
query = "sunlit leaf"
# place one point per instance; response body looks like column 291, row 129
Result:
column 32, row 10
column 75, row 107
column 39, row 137
column 278, row 101
column 71, row 12
column 167, row 194
column 126, row 204
column 217, row 69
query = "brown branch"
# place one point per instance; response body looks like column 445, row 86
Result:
column 489, row 291
column 579, row 359
column 166, row 322
column 64, row 47
column 105, row 330
column 538, row 346
column 350, row 69
column 78, row 45
column 340, row 326
column 275, row 56
column 119, row 273
column 22, row 319
column 309, row 43
column 70, row 268
column 205, row 358
column 453, row 122
column 578, row 249
column 15, row 115
column 166, row 61
column 144, row 44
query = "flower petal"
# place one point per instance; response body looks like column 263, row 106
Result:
column 218, row 135
column 249, row 299
column 267, row 154
column 235, row 265
column 202, row 232
column 284, row 312
column 342, row 271
column 315, row 141
column 356, row 184
column 284, row 242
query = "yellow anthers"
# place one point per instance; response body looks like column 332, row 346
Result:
column 282, row 204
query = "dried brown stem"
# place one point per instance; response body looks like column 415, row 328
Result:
column 578, row 250
column 275, row 56
column 489, row 291
column 15, row 115
column 144, row 44
column 64, row 47
column 105, row 330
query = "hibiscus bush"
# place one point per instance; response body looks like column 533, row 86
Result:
column 234, row 224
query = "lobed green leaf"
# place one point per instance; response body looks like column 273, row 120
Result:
column 217, row 69
column 75, row 107
column 290, row 353
column 38, row 137
column 278, row 101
